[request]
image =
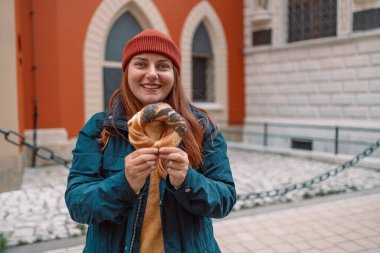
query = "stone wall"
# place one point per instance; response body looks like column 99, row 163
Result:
column 327, row 82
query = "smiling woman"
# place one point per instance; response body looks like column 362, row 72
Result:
column 150, row 77
column 117, row 190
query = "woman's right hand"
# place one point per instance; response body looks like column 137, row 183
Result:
column 138, row 166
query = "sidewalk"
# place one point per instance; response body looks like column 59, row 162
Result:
column 37, row 211
column 335, row 224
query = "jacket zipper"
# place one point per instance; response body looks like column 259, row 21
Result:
column 135, row 225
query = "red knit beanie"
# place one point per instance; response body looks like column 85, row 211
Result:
column 152, row 41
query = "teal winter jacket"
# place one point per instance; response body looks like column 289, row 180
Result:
column 99, row 195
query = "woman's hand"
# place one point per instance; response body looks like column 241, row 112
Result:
column 138, row 166
column 176, row 164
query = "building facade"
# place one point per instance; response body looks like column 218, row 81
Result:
column 69, row 54
column 294, row 73
column 61, row 61
column 312, row 74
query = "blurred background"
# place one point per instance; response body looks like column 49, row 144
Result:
column 289, row 76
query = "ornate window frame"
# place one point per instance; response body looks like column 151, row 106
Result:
column 204, row 12
column 146, row 13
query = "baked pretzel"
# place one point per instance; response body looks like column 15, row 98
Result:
column 156, row 125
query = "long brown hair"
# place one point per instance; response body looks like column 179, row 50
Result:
column 178, row 101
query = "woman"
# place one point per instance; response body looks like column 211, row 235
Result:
column 110, row 183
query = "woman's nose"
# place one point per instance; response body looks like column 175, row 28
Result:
column 152, row 73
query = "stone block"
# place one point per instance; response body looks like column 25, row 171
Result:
column 308, row 65
column 356, row 60
column 287, row 111
column 320, row 52
column 343, row 49
column 267, row 68
column 375, row 112
column 307, row 88
column 259, row 58
column 286, row 88
column 11, row 172
column 344, row 74
column 358, row 112
column 375, row 59
column 316, row 76
column 277, row 78
column 330, row 87
column 298, row 100
column 369, row 73
column 369, row 46
column 278, row 56
column 268, row 89
column 307, row 111
column 331, row 112
column 355, row 86
column 298, row 54
column 368, row 99
column 287, row 67
column 277, row 100
column 342, row 99
column 297, row 77
column 319, row 100
column 332, row 63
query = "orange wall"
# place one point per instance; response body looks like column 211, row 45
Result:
column 56, row 50
column 231, row 16
column 59, row 29
column 73, row 20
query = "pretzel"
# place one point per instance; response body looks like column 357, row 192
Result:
column 156, row 125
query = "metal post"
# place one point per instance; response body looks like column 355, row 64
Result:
column 265, row 134
column 35, row 116
column 336, row 140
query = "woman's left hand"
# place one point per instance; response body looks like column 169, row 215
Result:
column 176, row 164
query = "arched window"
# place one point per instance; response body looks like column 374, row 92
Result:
column 125, row 27
column 203, row 66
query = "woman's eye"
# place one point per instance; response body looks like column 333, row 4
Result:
column 163, row 66
column 140, row 64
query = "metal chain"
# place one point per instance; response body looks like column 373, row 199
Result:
column 47, row 154
column 41, row 152
column 308, row 183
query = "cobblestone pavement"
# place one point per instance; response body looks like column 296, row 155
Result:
column 37, row 211
column 339, row 226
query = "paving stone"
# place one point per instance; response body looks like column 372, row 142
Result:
column 23, row 232
column 283, row 248
column 334, row 250
column 350, row 246
column 367, row 244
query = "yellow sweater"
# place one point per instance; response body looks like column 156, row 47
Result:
column 152, row 240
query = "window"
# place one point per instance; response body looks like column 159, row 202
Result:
column 203, row 66
column 302, row 144
column 366, row 20
column 263, row 37
column 311, row 19
column 122, row 30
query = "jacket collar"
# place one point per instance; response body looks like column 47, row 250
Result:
column 115, row 116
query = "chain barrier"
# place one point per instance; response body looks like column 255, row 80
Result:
column 308, row 183
column 47, row 154
column 41, row 152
